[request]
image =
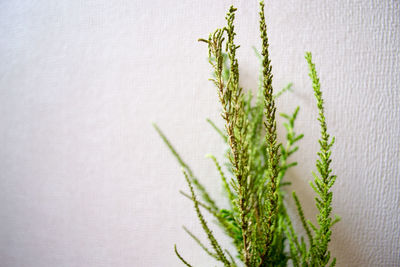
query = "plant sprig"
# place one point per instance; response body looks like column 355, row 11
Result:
column 256, row 165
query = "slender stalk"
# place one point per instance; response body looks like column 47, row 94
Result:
column 270, row 137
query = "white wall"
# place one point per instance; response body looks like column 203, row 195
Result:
column 86, row 181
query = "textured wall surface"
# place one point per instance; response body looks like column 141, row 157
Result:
column 86, row 181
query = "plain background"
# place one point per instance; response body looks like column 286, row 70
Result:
column 86, row 181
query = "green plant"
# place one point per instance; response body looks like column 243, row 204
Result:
column 256, row 220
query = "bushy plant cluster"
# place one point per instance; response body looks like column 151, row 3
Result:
column 256, row 163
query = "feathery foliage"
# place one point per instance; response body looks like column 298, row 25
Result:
column 255, row 166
